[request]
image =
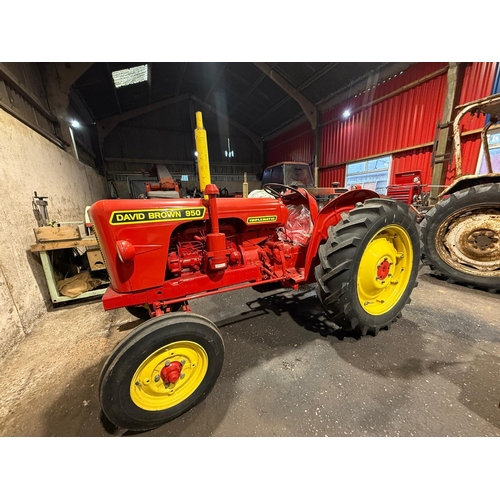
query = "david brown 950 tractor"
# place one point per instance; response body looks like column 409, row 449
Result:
column 361, row 250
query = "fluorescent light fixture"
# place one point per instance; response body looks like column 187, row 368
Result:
column 129, row 76
column 229, row 153
column 346, row 113
column 75, row 124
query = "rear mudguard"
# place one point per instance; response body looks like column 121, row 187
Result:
column 330, row 215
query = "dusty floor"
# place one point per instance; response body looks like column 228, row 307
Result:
column 287, row 371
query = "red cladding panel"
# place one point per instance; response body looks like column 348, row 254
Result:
column 295, row 145
column 334, row 174
column 478, row 83
column 402, row 121
column 418, row 159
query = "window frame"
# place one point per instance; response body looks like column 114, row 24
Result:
column 366, row 171
column 480, row 157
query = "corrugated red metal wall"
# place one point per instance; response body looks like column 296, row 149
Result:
column 403, row 122
column 417, row 159
column 402, row 125
column 329, row 175
column 295, row 145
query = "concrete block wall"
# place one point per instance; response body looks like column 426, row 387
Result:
column 28, row 163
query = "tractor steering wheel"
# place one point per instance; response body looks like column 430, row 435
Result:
column 270, row 189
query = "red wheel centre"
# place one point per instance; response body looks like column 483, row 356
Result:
column 383, row 269
column 171, row 373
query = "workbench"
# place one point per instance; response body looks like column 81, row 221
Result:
column 45, row 247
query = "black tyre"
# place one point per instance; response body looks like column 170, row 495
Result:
column 368, row 266
column 461, row 237
column 163, row 368
column 142, row 312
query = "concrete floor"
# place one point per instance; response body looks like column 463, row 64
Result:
column 287, row 370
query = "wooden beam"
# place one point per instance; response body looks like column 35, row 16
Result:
column 309, row 109
column 5, row 105
column 454, row 79
column 58, row 245
column 12, row 80
column 45, row 234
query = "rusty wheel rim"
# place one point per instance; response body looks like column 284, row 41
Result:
column 469, row 240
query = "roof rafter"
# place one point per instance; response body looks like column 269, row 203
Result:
column 248, row 92
column 180, row 78
column 106, row 125
column 309, row 109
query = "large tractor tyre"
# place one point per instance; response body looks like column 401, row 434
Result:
column 368, row 266
column 461, row 237
column 162, row 369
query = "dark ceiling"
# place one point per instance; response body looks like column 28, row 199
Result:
column 239, row 90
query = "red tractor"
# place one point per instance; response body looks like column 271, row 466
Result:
column 362, row 251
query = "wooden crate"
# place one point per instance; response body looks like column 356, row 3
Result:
column 96, row 260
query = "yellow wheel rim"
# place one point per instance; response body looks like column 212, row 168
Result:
column 148, row 389
column 384, row 270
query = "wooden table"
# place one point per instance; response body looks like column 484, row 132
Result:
column 44, row 247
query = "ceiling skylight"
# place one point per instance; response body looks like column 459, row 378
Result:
column 130, row 76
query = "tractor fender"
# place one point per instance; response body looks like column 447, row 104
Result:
column 330, row 215
column 468, row 181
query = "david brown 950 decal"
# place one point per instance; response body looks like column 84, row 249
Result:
column 156, row 215
column 262, row 219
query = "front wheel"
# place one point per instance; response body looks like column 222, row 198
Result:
column 368, row 266
column 162, row 369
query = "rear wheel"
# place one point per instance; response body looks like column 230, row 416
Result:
column 162, row 369
column 368, row 266
column 461, row 237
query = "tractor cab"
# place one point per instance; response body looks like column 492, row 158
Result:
column 298, row 175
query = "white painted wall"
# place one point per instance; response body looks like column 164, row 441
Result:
column 28, row 163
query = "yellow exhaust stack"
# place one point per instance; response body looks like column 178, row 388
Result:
column 200, row 136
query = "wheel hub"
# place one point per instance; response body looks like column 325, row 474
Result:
column 383, row 269
column 171, row 372
column 483, row 239
column 474, row 241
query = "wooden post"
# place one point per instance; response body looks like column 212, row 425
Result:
column 455, row 78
